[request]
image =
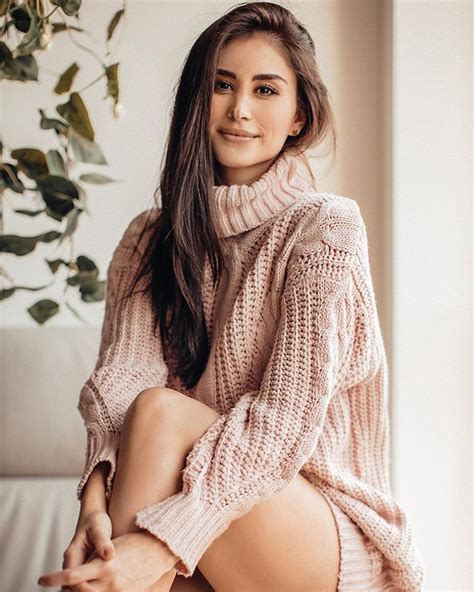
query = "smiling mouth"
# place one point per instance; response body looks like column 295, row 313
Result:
column 235, row 138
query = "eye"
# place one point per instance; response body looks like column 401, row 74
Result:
column 220, row 82
column 271, row 89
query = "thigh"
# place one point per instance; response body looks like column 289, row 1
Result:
column 287, row 543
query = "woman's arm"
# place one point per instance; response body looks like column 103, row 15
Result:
column 130, row 357
column 94, row 494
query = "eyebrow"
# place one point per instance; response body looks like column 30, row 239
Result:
column 256, row 77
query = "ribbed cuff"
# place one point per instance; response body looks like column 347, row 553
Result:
column 188, row 526
column 100, row 447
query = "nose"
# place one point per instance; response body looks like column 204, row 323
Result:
column 238, row 108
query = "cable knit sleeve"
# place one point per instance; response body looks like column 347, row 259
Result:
column 257, row 448
column 130, row 357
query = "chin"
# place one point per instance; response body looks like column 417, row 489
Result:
column 230, row 159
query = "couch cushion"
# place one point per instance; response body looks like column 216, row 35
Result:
column 37, row 523
column 43, row 370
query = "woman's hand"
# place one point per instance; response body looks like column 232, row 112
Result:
column 93, row 534
column 140, row 561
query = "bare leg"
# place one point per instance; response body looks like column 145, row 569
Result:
column 287, row 542
column 161, row 458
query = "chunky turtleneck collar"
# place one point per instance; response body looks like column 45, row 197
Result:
column 243, row 207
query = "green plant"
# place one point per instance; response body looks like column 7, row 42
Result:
column 26, row 29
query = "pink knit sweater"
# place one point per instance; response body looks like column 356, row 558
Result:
column 297, row 371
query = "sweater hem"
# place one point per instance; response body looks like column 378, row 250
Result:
column 361, row 563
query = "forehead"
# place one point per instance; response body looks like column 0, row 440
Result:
column 247, row 57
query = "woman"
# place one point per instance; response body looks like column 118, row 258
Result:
column 247, row 440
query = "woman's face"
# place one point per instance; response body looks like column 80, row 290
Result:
column 267, row 108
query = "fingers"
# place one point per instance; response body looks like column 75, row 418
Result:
column 102, row 543
column 74, row 575
column 73, row 555
column 83, row 587
column 105, row 548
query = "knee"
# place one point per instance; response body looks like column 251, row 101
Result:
column 148, row 403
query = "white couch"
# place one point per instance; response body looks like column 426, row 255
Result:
column 43, row 442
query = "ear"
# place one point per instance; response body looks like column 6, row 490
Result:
column 299, row 120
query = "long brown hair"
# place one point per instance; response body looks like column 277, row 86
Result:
column 184, row 233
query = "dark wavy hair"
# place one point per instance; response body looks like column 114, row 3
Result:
column 184, row 233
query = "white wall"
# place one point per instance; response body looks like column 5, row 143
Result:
column 432, row 187
column 151, row 51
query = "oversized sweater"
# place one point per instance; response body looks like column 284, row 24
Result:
column 297, row 371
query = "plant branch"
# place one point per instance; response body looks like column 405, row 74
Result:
column 91, row 83
column 43, row 18
column 84, row 47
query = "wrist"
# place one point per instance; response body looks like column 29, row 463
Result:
column 166, row 555
column 94, row 499
column 93, row 504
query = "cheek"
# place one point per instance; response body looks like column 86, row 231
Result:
column 276, row 116
column 218, row 107
column 284, row 110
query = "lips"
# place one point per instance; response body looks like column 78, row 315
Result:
column 240, row 133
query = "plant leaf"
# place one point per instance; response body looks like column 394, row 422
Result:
column 58, row 193
column 3, row 7
column 91, row 289
column 30, row 213
column 114, row 22
column 31, row 161
column 66, row 79
column 22, row 245
column 20, row 68
column 85, row 264
column 112, row 81
column 56, row 163
column 31, row 39
column 43, row 310
column 6, row 293
column 86, row 151
column 20, row 17
column 5, row 53
column 55, row 264
column 97, row 295
column 60, row 27
column 96, row 178
column 69, row 7
column 56, row 124
column 71, row 224
column 75, row 112
column 9, row 177
column 52, row 214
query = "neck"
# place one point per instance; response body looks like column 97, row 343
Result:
column 242, row 207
